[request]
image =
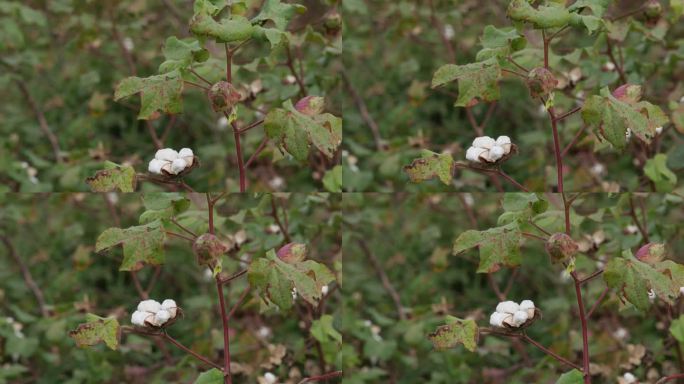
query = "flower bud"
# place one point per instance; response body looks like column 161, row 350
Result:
column 541, row 82
column 208, row 249
column 561, row 247
column 310, row 105
column 292, row 252
column 651, row 253
column 223, row 96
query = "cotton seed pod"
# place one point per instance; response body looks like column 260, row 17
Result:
column 166, row 154
column 528, row 306
column 473, row 154
column 508, row 320
column 651, row 253
column 292, row 252
column 485, row 142
column 156, row 166
column 561, row 247
column 139, row 317
column 541, row 82
column 223, row 96
column 170, row 306
column 310, row 105
column 208, row 249
column 508, row 307
column 187, row 155
column 149, row 306
column 496, row 319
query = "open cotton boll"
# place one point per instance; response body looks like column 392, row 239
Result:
column 496, row 153
column 270, row 378
column 473, row 154
column 659, row 130
column 177, row 166
column 161, row 317
column 508, row 320
column 169, row 306
column 508, row 307
column 496, row 319
column 149, row 306
column 629, row 378
column 167, row 154
column 485, row 142
column 187, row 155
column 505, row 142
column 156, row 166
column 139, row 317
column 527, row 306
column 519, row 318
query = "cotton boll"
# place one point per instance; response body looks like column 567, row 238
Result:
column 156, row 166
column 167, row 154
column 485, row 142
column 496, row 153
column 496, row 319
column 505, row 142
column 473, row 154
column 161, row 317
column 659, row 130
column 519, row 318
column 508, row 307
column 508, row 320
column 629, row 378
column 270, row 378
column 187, row 155
column 138, row 317
column 149, row 306
column 609, row 66
column 324, row 290
column 177, row 166
column 527, row 306
column 169, row 306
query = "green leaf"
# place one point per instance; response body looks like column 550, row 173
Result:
column 97, row 330
column 143, row 244
column 656, row 169
column 212, row 376
column 552, row 16
column 677, row 328
column 278, row 12
column 295, row 131
column 113, row 177
column 521, row 207
column 180, row 54
column 677, row 9
column 431, row 165
column 598, row 7
column 323, row 330
column 498, row 246
column 455, row 332
column 612, row 117
column 275, row 279
column 210, row 7
column 332, row 181
column 633, row 279
column 236, row 28
column 163, row 205
column 571, row 377
column 157, row 93
column 500, row 42
column 475, row 81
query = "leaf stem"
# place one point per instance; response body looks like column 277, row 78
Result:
column 238, row 154
column 324, row 376
column 550, row 352
column 226, row 333
column 598, row 302
column 190, row 351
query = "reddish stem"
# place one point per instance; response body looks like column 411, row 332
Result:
column 210, row 207
column 557, row 149
column 240, row 160
column 226, row 333
column 190, row 351
column 670, row 378
column 549, row 352
column 598, row 302
column 585, row 336
column 325, row 376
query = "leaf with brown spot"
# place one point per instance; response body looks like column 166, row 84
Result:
column 97, row 330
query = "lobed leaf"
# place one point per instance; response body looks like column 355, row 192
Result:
column 113, row 177
column 475, row 81
column 157, row 93
column 431, row 165
column 455, row 332
column 278, row 12
column 97, row 330
column 143, row 244
column 656, row 169
column 236, row 28
column 498, row 246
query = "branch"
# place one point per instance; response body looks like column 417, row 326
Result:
column 550, row 352
column 233, row 277
column 274, row 213
column 632, row 212
column 325, row 376
column 384, row 279
column 598, row 302
column 256, row 153
column 226, row 333
column 26, row 274
column 190, row 351
column 300, row 82
column 42, row 122
column 365, row 115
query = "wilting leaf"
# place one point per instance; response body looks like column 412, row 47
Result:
column 431, row 165
column 475, row 81
column 275, row 279
column 97, row 330
column 295, row 131
column 143, row 244
column 157, row 93
column 113, row 177
column 455, row 332
column 633, row 279
column 498, row 246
